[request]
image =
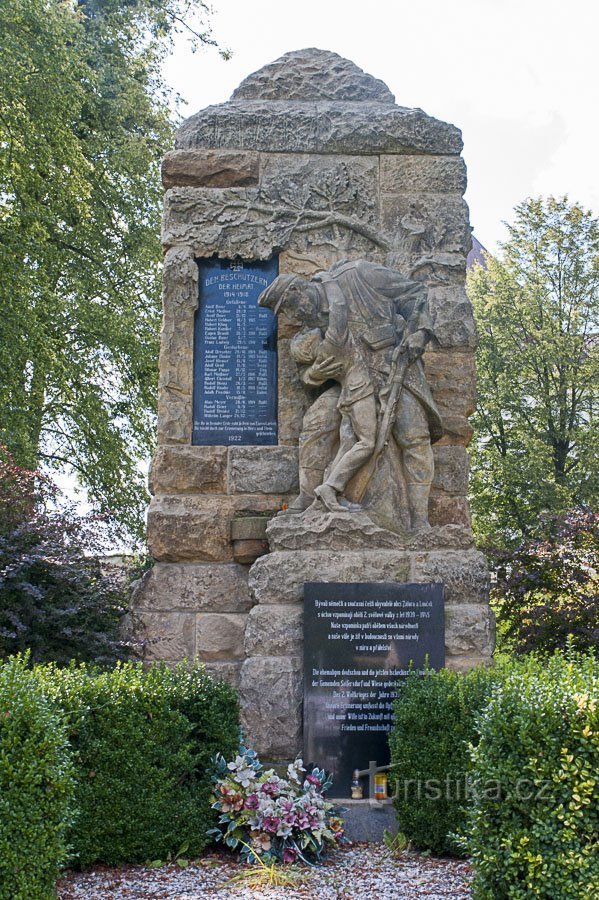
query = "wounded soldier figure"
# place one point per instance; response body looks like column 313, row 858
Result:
column 337, row 354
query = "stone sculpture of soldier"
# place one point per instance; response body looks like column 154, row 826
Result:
column 364, row 326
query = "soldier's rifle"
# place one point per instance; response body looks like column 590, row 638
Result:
column 395, row 383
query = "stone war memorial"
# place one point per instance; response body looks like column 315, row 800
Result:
column 309, row 520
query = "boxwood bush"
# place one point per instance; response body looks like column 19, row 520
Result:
column 435, row 720
column 533, row 828
column 36, row 786
column 142, row 740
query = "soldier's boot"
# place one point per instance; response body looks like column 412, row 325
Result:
column 418, row 495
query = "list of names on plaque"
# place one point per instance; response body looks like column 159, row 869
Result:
column 235, row 355
column 359, row 641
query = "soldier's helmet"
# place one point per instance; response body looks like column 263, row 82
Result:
column 282, row 290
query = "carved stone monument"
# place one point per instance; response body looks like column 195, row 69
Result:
column 316, row 378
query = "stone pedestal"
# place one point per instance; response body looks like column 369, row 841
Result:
column 346, row 548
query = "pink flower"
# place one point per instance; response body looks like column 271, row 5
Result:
column 269, row 789
column 303, row 820
column 230, row 800
column 312, row 779
column 271, row 823
column 252, row 801
column 289, row 854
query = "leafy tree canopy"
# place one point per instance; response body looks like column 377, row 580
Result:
column 536, row 440
column 84, row 121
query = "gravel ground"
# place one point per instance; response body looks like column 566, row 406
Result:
column 357, row 872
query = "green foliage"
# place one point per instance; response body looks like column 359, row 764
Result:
column 142, row 742
column 536, row 439
column 546, row 594
column 56, row 602
column 534, row 825
column 36, row 786
column 435, row 720
column 85, row 120
column 396, row 844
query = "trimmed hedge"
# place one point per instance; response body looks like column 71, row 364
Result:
column 36, row 786
column 142, row 740
column 435, row 720
column 534, row 824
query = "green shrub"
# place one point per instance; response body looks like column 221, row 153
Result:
column 534, row 822
column 142, row 741
column 36, row 786
column 546, row 592
column 435, row 719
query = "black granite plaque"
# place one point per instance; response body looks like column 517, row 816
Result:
column 359, row 640
column 235, row 355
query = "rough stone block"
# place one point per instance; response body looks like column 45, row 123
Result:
column 464, row 574
column 465, row 663
column 444, row 509
column 210, row 168
column 427, row 174
column 312, row 74
column 224, row 671
column 247, row 552
column 249, row 528
column 188, row 469
column 275, row 630
column 166, row 635
column 318, row 127
column 189, row 528
column 452, row 468
column 279, row 577
column 220, row 636
column 469, row 630
column 265, row 470
column 457, row 430
column 197, row 587
column 197, row 528
column 317, row 530
column 453, row 319
column 440, row 219
column 175, row 378
column 451, row 375
column 271, row 698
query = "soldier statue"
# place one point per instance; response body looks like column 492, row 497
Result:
column 364, row 327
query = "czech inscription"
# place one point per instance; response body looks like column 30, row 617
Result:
column 359, row 641
column 235, row 355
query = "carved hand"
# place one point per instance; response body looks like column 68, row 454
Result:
column 326, row 368
column 415, row 345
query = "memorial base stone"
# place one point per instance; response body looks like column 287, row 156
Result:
column 329, row 547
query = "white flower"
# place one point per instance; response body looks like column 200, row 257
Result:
column 238, row 763
column 244, row 777
column 294, row 769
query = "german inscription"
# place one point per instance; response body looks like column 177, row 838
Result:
column 235, row 355
column 360, row 640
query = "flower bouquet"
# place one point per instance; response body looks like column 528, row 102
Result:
column 273, row 819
